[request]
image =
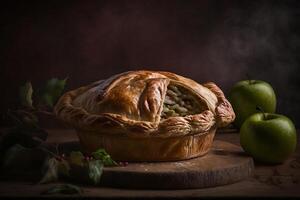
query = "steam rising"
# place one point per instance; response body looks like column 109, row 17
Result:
column 262, row 42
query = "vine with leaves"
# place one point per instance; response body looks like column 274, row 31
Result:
column 26, row 136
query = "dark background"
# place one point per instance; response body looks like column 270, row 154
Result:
column 206, row 40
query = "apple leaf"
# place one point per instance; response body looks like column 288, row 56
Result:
column 102, row 155
column 52, row 91
column 51, row 174
column 25, row 93
column 76, row 158
column 89, row 173
column 55, row 169
column 63, row 189
column 75, row 168
column 95, row 170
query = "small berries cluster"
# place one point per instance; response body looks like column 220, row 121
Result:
column 61, row 157
column 88, row 158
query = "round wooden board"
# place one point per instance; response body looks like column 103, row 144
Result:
column 224, row 164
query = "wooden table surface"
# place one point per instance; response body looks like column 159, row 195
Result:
column 268, row 180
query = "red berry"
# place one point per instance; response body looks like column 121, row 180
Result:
column 63, row 156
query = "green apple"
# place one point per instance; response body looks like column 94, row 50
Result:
column 246, row 95
column 268, row 137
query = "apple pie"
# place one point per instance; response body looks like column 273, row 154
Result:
column 146, row 115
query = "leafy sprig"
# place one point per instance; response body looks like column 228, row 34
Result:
column 26, row 136
column 52, row 91
column 25, row 93
column 102, row 155
column 26, row 130
column 77, row 167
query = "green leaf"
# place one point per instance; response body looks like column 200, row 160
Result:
column 12, row 155
column 89, row 173
column 102, row 155
column 76, row 158
column 54, row 170
column 75, row 168
column 52, row 91
column 95, row 170
column 51, row 174
column 25, row 93
column 63, row 189
column 47, row 99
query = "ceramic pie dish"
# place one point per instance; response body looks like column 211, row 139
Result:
column 146, row 115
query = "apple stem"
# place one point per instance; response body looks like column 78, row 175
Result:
column 249, row 78
column 262, row 111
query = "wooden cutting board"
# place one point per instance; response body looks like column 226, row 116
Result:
column 224, row 164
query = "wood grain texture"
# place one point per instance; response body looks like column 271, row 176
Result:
column 261, row 184
column 224, row 164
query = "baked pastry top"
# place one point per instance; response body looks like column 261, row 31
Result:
column 146, row 104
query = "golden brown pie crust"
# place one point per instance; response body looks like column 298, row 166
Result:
column 123, row 115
